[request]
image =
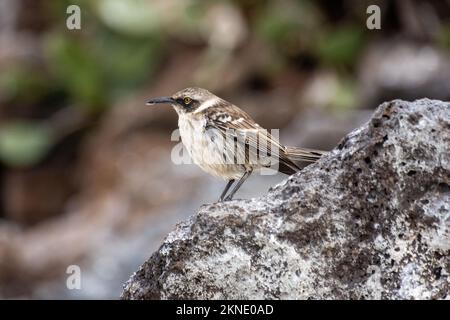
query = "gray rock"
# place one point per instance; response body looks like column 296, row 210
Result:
column 370, row 220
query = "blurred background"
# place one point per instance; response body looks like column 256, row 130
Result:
column 85, row 170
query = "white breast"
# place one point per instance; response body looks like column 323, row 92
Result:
column 191, row 131
column 205, row 148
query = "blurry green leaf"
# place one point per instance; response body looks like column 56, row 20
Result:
column 23, row 143
column 140, row 18
column 289, row 26
column 94, row 70
column 341, row 46
column 444, row 36
column 275, row 27
column 132, row 17
column 17, row 80
column 75, row 66
column 127, row 61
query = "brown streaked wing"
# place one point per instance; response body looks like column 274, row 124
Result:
column 229, row 119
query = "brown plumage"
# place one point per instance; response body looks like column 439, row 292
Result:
column 215, row 131
column 240, row 121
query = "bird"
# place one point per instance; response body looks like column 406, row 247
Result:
column 226, row 142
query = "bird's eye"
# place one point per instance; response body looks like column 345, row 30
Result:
column 187, row 100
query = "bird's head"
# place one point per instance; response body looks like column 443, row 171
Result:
column 187, row 100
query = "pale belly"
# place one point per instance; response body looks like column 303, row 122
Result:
column 208, row 150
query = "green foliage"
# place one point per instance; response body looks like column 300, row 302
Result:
column 340, row 47
column 444, row 37
column 94, row 72
column 116, row 50
column 130, row 17
column 24, row 83
column 76, row 70
column 23, row 143
column 128, row 61
column 295, row 28
column 288, row 27
column 88, row 69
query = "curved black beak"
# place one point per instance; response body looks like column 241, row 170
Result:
column 160, row 100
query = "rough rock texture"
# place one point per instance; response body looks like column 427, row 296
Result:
column 370, row 220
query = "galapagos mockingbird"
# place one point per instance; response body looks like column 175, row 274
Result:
column 226, row 142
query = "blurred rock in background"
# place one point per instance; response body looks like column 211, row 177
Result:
column 86, row 176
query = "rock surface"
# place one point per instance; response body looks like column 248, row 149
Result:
column 370, row 220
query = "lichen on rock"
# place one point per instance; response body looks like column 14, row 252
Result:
column 370, row 220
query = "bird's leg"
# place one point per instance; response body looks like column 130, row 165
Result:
column 227, row 187
column 238, row 185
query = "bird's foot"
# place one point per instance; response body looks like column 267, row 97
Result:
column 228, row 198
column 225, row 199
